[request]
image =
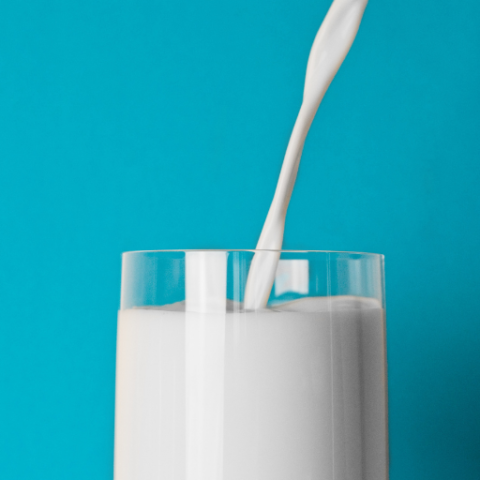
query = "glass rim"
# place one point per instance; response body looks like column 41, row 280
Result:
column 253, row 250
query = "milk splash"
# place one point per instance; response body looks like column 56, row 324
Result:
column 330, row 47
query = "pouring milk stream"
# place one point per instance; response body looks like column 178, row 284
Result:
column 331, row 45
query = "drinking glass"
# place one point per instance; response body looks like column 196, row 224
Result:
column 208, row 390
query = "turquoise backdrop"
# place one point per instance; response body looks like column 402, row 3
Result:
column 159, row 124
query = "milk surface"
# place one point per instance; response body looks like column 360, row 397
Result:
column 295, row 392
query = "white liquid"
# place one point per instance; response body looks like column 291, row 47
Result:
column 295, row 393
column 331, row 45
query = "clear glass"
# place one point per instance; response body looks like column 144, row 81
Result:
column 207, row 390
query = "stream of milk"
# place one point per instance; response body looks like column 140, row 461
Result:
column 331, row 45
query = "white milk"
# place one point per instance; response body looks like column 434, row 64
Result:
column 292, row 393
column 296, row 392
column 331, row 45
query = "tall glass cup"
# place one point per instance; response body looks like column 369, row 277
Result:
column 206, row 390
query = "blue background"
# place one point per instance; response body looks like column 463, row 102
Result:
column 146, row 125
